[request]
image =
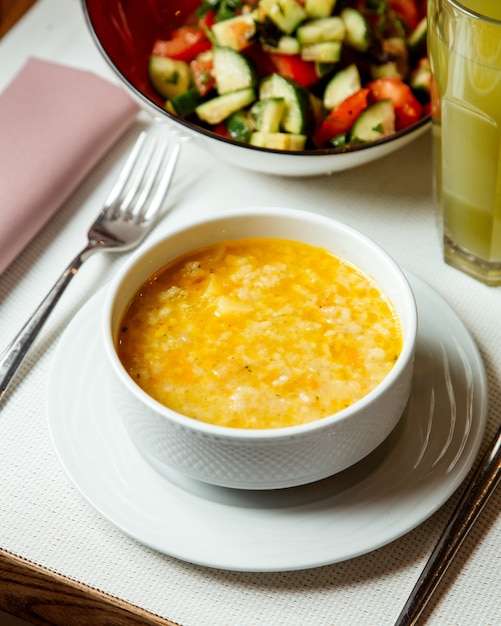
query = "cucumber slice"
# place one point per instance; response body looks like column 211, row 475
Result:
column 240, row 126
column 235, row 33
column 232, row 71
column 298, row 115
column 340, row 141
column 343, row 84
column 285, row 45
column 385, row 69
column 218, row 109
column 317, row 31
column 376, row 122
column 319, row 8
column 325, row 52
column 417, row 40
column 324, row 69
column 278, row 141
column 268, row 114
column 185, row 103
column 286, row 14
column 169, row 77
column 420, row 80
column 397, row 55
column 358, row 32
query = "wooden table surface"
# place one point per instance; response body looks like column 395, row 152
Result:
column 11, row 11
column 39, row 596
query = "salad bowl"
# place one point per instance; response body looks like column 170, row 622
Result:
column 328, row 105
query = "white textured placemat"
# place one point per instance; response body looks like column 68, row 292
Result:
column 44, row 519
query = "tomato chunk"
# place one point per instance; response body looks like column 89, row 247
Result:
column 203, row 76
column 184, row 45
column 408, row 10
column 207, row 20
column 408, row 109
column 341, row 119
column 293, row 66
column 220, row 129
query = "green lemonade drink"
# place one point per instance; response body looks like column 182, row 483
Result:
column 465, row 53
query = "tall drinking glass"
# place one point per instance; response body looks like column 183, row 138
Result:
column 464, row 46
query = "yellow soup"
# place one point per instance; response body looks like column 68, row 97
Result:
column 259, row 333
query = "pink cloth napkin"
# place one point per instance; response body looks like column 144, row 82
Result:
column 56, row 122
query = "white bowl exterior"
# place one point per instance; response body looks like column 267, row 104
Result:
column 304, row 165
column 274, row 458
column 281, row 163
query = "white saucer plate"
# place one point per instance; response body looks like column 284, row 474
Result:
column 363, row 508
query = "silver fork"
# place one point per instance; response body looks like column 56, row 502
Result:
column 128, row 214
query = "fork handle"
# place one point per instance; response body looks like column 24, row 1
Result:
column 14, row 354
column 476, row 495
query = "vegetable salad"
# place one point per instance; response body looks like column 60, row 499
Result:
column 297, row 74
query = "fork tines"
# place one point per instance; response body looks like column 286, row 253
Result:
column 144, row 179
